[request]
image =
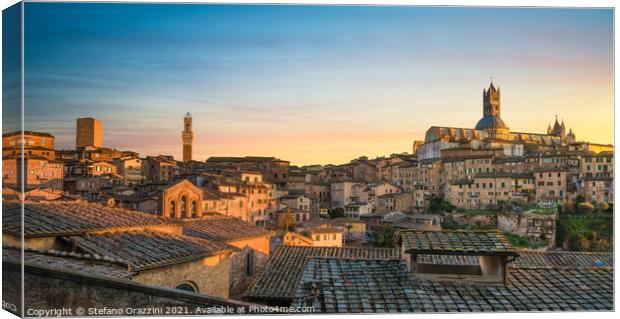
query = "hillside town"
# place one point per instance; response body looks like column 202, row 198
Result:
column 467, row 219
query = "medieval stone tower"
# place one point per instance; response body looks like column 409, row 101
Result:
column 188, row 137
column 490, row 101
column 491, row 119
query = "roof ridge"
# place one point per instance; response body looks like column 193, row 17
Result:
column 85, row 256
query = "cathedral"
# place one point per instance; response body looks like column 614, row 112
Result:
column 492, row 133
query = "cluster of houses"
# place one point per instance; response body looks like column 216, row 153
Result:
column 262, row 191
column 103, row 227
column 77, row 253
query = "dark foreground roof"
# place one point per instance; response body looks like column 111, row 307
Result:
column 348, row 285
column 84, row 263
column 281, row 274
column 221, row 228
column 149, row 249
column 70, row 218
column 533, row 259
column 563, row 260
column 456, row 243
column 385, row 286
column 68, row 288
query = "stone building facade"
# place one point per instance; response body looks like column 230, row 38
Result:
column 181, row 200
column 208, row 275
column 252, row 245
column 88, row 133
column 104, row 290
column 35, row 144
column 39, row 172
column 551, row 185
column 131, row 170
column 156, row 169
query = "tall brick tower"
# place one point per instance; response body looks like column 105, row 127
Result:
column 188, row 137
column 88, row 133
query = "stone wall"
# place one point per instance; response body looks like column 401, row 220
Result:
column 471, row 219
column 529, row 224
column 172, row 198
column 210, row 275
column 47, row 288
column 43, row 243
column 256, row 249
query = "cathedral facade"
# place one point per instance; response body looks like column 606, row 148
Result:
column 492, row 133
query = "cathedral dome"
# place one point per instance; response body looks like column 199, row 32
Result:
column 490, row 122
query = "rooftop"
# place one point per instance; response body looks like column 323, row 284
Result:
column 85, row 263
column 149, row 249
column 351, row 286
column 322, row 230
column 243, row 159
column 533, row 259
column 385, row 286
column 221, row 228
column 70, row 218
column 281, row 274
column 456, row 243
column 294, row 196
column 33, row 133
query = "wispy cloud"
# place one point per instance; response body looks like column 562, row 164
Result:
column 310, row 84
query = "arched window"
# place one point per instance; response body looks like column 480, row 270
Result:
column 173, row 209
column 183, row 206
column 187, row 287
column 193, row 209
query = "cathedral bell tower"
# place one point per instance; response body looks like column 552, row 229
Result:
column 490, row 101
column 188, row 137
column 491, row 119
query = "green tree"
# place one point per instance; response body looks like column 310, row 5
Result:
column 579, row 199
column 435, row 205
column 383, row 236
column 447, row 207
column 336, row 213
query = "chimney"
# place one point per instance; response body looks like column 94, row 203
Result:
column 457, row 256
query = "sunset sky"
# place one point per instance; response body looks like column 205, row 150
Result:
column 310, row 84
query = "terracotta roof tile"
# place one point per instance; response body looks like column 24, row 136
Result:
column 456, row 243
column 354, row 286
column 281, row 274
column 221, row 228
column 70, row 218
column 532, row 259
column 84, row 263
column 385, row 286
column 149, row 249
column 557, row 260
